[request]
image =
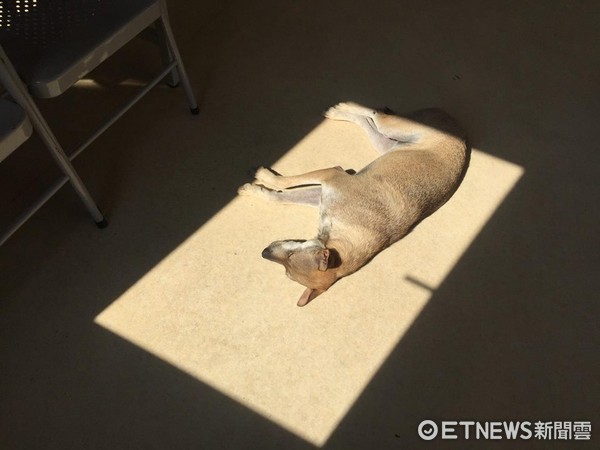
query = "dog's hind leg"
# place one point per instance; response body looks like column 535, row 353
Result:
column 309, row 196
column 344, row 111
column 419, row 125
column 383, row 138
column 387, row 132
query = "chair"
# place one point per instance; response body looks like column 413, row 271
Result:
column 15, row 127
column 47, row 46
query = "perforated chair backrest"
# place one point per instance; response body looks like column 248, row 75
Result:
column 55, row 43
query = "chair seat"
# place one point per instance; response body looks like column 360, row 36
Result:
column 15, row 127
column 53, row 44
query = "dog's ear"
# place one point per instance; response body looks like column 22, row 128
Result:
column 323, row 259
column 308, row 295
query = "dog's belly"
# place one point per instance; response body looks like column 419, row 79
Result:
column 375, row 214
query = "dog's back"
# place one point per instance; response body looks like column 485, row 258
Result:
column 387, row 198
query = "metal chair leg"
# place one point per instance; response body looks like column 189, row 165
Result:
column 18, row 91
column 187, row 87
column 166, row 56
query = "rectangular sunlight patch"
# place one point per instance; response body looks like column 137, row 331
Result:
column 216, row 310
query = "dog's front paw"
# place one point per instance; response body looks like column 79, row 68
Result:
column 246, row 189
column 265, row 177
column 254, row 190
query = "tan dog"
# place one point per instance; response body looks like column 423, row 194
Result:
column 424, row 158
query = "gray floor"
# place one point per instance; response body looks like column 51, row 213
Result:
column 509, row 332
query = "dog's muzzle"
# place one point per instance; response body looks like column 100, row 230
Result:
column 278, row 251
column 267, row 253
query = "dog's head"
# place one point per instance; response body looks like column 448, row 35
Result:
column 309, row 263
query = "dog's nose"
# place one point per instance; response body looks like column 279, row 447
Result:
column 266, row 253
